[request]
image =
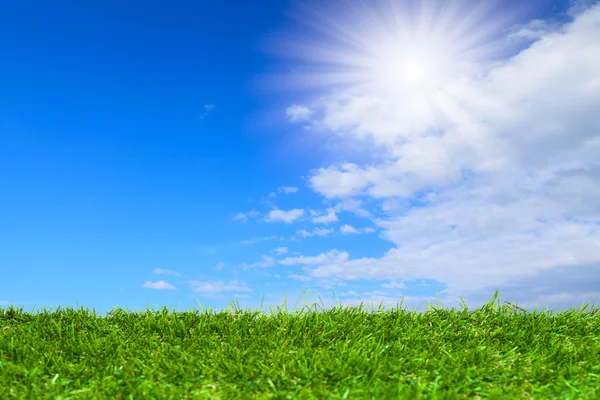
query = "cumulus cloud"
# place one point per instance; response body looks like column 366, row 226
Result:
column 284, row 216
column 298, row 113
column 325, row 218
column 159, row 285
column 348, row 229
column 502, row 185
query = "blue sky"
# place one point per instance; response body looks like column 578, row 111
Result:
column 168, row 154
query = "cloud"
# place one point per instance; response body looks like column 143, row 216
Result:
column 281, row 250
column 207, row 108
column 298, row 113
column 533, row 30
column 245, row 216
column 352, row 205
column 326, row 219
column 162, row 271
column 316, row 232
column 281, row 189
column 500, row 185
column 260, row 239
column 284, row 216
column 348, row 229
column 216, row 287
column 288, row 189
column 302, row 278
column 160, row 285
column 329, row 258
column 220, row 265
column 394, row 285
column 267, row 261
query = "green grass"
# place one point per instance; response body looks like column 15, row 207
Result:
column 495, row 352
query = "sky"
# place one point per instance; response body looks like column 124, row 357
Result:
column 404, row 153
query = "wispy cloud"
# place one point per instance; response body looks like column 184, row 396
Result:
column 281, row 189
column 352, row 205
column 298, row 113
column 217, row 287
column 394, row 285
column 315, row 232
column 245, row 216
column 260, row 239
column 284, row 216
column 159, row 285
column 331, row 257
column 349, row 229
column 288, row 189
column 207, row 109
column 302, row 278
column 281, row 250
column 220, row 265
column 162, row 271
column 267, row 261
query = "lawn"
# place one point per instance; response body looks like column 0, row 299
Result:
column 495, row 352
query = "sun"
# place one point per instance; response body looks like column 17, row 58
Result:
column 403, row 66
column 405, row 51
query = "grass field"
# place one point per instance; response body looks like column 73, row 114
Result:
column 495, row 352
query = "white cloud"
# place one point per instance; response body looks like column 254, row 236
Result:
column 302, row 278
column 348, row 229
column 220, row 265
column 326, row 218
column 281, row 250
column 394, row 285
column 533, row 30
column 159, row 285
column 216, row 287
column 245, row 216
column 288, row 189
column 298, row 113
column 329, row 258
column 352, row 205
column 267, row 261
column 162, row 271
column 207, row 108
column 513, row 174
column 260, row 239
column 285, row 216
column 315, row 232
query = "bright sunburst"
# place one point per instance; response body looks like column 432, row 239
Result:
column 403, row 51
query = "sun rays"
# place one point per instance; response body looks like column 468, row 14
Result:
column 403, row 52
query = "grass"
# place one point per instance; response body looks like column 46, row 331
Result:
column 495, row 352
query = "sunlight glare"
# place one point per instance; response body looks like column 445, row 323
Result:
column 406, row 52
